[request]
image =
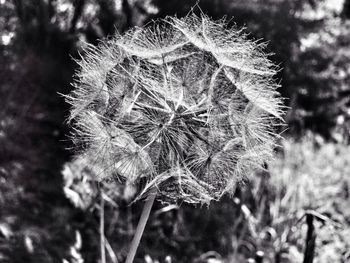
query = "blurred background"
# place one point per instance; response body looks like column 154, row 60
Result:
column 298, row 210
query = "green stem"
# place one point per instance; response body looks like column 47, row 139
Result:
column 140, row 227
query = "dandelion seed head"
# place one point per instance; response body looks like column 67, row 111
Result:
column 186, row 106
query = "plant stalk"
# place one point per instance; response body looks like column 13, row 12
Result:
column 102, row 229
column 310, row 239
column 141, row 227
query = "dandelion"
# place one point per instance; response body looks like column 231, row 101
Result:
column 185, row 108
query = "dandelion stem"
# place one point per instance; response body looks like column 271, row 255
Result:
column 102, row 229
column 141, row 226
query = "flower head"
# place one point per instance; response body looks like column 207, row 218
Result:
column 187, row 106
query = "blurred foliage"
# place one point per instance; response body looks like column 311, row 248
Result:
column 310, row 40
column 267, row 214
column 309, row 176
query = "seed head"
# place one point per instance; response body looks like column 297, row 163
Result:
column 187, row 106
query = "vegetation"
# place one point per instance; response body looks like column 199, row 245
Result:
column 51, row 209
column 267, row 215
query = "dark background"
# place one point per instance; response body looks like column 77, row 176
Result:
column 39, row 39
